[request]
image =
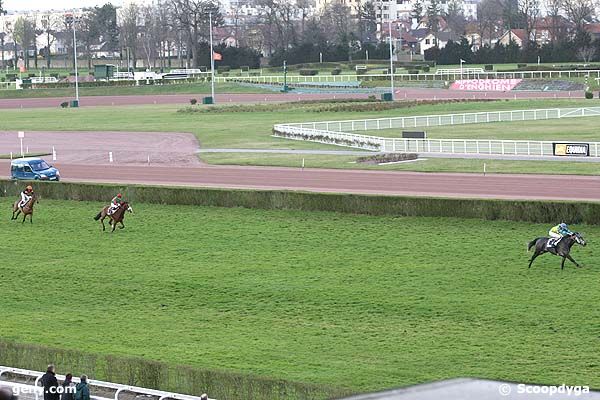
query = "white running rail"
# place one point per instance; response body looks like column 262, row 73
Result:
column 338, row 133
column 118, row 388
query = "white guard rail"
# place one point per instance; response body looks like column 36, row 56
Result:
column 423, row 121
column 337, row 133
column 118, row 388
column 446, row 76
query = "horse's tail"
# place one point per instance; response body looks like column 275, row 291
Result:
column 532, row 243
column 97, row 217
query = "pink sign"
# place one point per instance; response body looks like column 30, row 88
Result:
column 498, row 85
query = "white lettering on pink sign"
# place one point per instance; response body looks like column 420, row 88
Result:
column 497, row 85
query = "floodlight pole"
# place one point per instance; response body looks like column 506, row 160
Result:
column 75, row 59
column 212, row 60
column 391, row 60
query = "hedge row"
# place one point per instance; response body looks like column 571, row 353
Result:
column 222, row 385
column 517, row 210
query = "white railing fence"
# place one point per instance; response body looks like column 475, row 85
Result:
column 445, row 76
column 423, row 121
column 25, row 387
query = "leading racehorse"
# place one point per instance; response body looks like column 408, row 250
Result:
column 562, row 249
column 27, row 209
column 115, row 218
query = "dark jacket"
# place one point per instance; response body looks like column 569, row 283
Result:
column 83, row 391
column 66, row 394
column 50, row 384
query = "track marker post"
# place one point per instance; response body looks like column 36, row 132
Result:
column 110, row 157
column 303, row 164
column 484, row 169
column 53, row 154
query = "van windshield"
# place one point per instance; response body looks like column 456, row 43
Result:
column 39, row 165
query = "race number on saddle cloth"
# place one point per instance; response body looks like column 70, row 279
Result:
column 26, row 196
column 115, row 203
column 557, row 233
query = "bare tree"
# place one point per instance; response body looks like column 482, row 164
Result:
column 553, row 9
column 50, row 26
column 24, row 35
column 530, row 11
column 579, row 11
column 130, row 32
column 586, row 54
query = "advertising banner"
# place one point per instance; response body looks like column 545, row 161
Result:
column 571, row 149
column 497, row 85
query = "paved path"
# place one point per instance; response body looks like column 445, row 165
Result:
column 543, row 187
column 401, row 94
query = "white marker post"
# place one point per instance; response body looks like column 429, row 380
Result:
column 303, row 164
column 53, row 154
column 21, row 135
column 110, row 157
column 484, row 169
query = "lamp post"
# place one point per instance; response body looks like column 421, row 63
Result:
column 391, row 60
column 212, row 60
column 285, row 86
column 76, row 103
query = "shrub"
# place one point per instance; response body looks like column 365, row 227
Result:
column 521, row 65
column 308, row 72
column 387, row 158
column 413, row 71
column 336, row 71
column 425, row 68
column 245, row 68
column 223, row 68
column 193, row 102
column 372, row 97
column 589, row 95
column 11, row 77
column 488, row 67
column 64, row 104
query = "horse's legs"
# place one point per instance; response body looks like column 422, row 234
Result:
column 102, row 222
column 24, row 216
column 18, row 212
column 31, row 218
column 122, row 225
column 562, row 264
column 572, row 260
column 114, row 224
column 533, row 257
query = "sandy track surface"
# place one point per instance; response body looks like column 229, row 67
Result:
column 93, row 147
column 343, row 181
column 401, row 94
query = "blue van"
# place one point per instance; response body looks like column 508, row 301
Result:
column 33, row 168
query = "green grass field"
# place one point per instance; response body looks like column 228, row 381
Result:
column 353, row 301
column 252, row 130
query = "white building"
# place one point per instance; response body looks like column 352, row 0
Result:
column 402, row 9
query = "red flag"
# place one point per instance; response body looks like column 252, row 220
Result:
column 217, row 56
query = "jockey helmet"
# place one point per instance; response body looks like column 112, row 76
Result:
column 119, row 195
column 29, row 188
column 563, row 225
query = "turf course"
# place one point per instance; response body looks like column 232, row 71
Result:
column 352, row 301
column 230, row 128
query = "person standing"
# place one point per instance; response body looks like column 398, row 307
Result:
column 82, row 389
column 68, row 388
column 50, row 384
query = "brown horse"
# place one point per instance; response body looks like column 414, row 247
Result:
column 27, row 209
column 115, row 218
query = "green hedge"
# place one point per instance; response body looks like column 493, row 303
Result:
column 517, row 210
column 222, row 385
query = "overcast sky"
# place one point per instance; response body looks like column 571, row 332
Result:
column 19, row 5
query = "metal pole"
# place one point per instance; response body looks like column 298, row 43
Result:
column 212, row 60
column 285, row 88
column 391, row 61
column 75, row 58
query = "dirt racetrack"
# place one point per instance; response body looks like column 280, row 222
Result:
column 174, row 149
column 344, row 181
column 401, row 94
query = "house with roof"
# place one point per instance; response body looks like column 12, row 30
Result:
column 436, row 40
column 518, row 36
column 552, row 28
column 593, row 29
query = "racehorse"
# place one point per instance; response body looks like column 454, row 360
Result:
column 27, row 209
column 115, row 218
column 562, row 249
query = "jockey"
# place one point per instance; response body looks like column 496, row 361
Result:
column 559, row 231
column 26, row 196
column 115, row 203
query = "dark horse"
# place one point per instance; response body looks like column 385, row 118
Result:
column 27, row 209
column 115, row 218
column 562, row 249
